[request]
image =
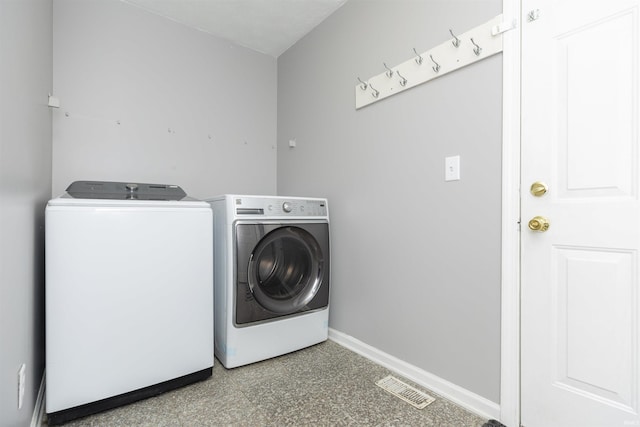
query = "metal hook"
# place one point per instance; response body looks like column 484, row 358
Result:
column 437, row 66
column 419, row 58
column 389, row 72
column 455, row 42
column 364, row 85
column 403, row 81
column 374, row 92
column 477, row 49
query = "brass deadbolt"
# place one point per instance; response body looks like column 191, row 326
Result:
column 538, row 188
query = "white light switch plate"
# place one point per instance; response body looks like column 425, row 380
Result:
column 452, row 168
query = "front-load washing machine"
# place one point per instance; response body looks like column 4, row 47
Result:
column 129, row 296
column 271, row 276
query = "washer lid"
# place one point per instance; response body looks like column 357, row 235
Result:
column 124, row 191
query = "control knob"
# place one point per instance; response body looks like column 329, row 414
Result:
column 132, row 191
column 286, row 206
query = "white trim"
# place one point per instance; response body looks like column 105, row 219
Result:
column 468, row 400
column 38, row 410
column 510, row 300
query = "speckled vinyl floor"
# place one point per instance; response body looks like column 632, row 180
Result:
column 324, row 385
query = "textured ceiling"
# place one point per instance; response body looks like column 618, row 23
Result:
column 267, row 26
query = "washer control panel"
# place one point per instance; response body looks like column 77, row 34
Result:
column 124, row 191
column 271, row 206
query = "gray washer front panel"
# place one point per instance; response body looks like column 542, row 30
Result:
column 282, row 269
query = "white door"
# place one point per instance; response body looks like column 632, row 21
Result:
column 580, row 295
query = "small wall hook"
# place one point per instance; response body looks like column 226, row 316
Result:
column 403, row 81
column 389, row 72
column 436, row 68
column 456, row 41
column 374, row 92
column 477, row 49
column 364, row 85
column 419, row 58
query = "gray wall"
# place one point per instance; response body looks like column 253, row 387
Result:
column 146, row 99
column 25, row 186
column 416, row 260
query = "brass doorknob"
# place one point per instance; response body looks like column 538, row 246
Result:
column 539, row 223
column 538, row 189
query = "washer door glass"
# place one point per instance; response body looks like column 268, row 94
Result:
column 286, row 269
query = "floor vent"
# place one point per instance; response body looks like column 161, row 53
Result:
column 405, row 392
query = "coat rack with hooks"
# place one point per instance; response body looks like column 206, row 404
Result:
column 459, row 51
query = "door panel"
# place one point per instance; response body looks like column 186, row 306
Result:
column 600, row 52
column 594, row 296
column 580, row 298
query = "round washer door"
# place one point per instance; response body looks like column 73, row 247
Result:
column 286, row 269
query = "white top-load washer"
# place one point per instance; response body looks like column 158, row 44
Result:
column 129, row 297
column 271, row 275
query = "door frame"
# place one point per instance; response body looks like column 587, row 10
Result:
column 511, row 164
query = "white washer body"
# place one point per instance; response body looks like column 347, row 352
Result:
column 235, row 344
column 129, row 301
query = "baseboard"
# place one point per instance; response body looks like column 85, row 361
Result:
column 38, row 409
column 468, row 400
